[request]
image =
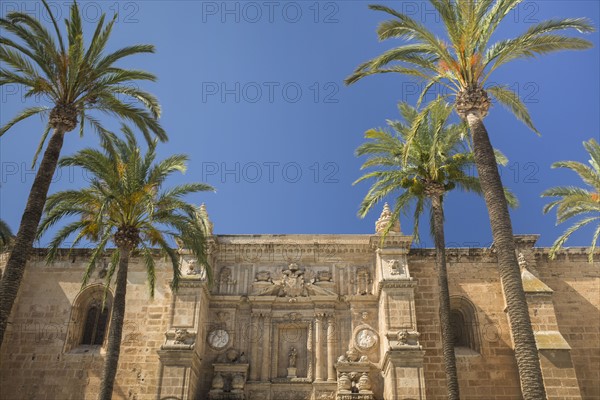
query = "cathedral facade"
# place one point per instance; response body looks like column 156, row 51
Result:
column 304, row 317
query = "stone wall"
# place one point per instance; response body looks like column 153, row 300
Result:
column 33, row 362
column 38, row 361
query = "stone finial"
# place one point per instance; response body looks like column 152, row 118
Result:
column 203, row 214
column 522, row 261
column 384, row 220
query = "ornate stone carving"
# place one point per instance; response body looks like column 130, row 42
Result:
column 181, row 335
column 344, row 382
column 238, row 382
column 217, row 382
column 229, row 381
column 179, row 339
column 366, row 338
column 203, row 215
column 263, row 276
column 353, row 379
column 293, row 283
column 403, row 339
column 522, row 261
column 395, row 267
column 353, row 355
column 364, row 383
column 324, row 276
column 385, row 219
column 325, row 396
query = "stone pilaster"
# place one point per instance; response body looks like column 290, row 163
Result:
column 309, row 349
column 331, row 345
column 180, row 354
column 254, row 364
column 401, row 354
column 266, row 354
column 318, row 347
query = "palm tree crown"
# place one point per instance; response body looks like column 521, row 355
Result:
column 578, row 202
column 74, row 78
column 439, row 159
column 465, row 60
column 125, row 206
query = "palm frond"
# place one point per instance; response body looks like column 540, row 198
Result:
column 511, row 101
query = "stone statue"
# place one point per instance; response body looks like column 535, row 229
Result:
column 292, row 357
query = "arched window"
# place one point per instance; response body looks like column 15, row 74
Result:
column 463, row 319
column 90, row 317
column 96, row 322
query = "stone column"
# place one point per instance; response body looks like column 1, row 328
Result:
column 331, row 376
column 266, row 354
column 254, row 336
column 310, row 350
column 318, row 348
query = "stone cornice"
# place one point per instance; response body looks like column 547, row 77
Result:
column 345, row 243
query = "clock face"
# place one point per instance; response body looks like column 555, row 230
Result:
column 218, row 338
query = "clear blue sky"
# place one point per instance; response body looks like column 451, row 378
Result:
column 253, row 92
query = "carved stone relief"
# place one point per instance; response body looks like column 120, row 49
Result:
column 294, row 282
column 366, row 338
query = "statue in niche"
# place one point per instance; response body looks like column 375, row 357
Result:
column 226, row 282
column 363, row 281
column 292, row 357
column 225, row 275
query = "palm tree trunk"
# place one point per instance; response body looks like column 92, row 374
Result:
column 116, row 328
column 526, row 353
column 23, row 244
column 444, row 311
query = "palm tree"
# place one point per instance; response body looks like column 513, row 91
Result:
column 575, row 201
column 124, row 205
column 437, row 161
column 6, row 235
column 462, row 62
column 76, row 80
